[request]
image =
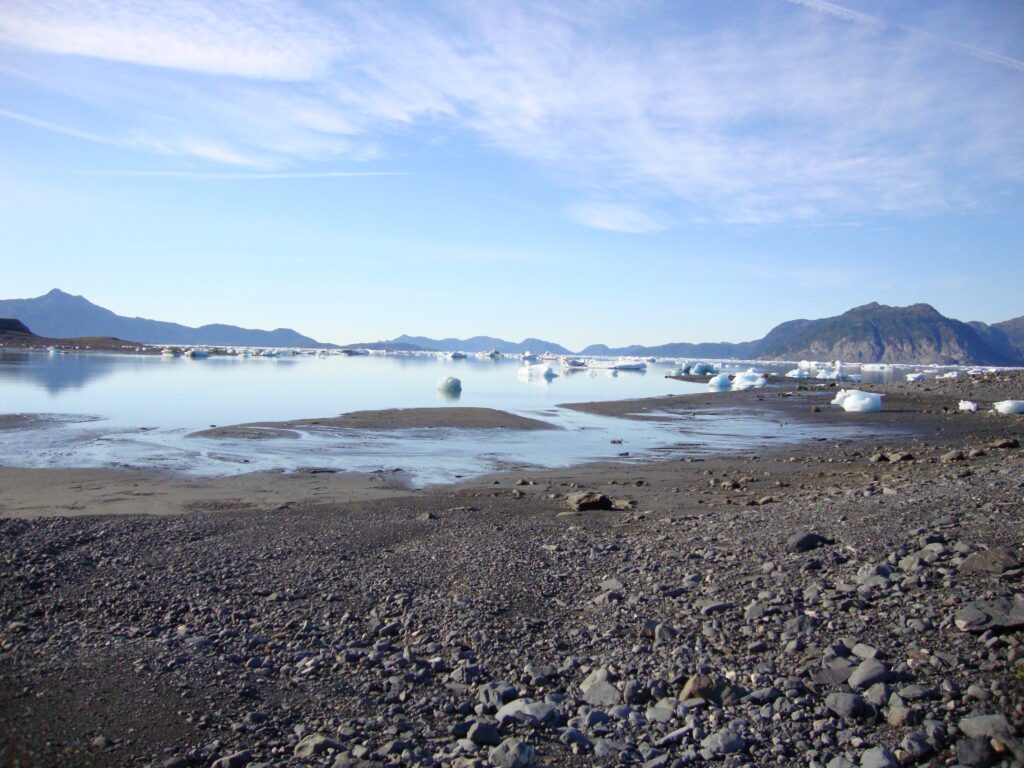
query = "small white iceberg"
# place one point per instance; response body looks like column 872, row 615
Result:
column 968, row 407
column 915, row 377
column 449, row 385
column 720, row 383
column 1009, row 407
column 856, row 401
column 798, row 373
column 539, row 371
column 748, row 380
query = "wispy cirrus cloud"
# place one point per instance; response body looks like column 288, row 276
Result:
column 783, row 115
column 615, row 218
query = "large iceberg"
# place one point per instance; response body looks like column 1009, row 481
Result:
column 856, row 401
column 1009, row 407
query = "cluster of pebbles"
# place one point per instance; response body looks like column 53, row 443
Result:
column 841, row 605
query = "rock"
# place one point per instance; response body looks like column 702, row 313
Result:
column 584, row 501
column 1006, row 442
column 975, row 753
column 996, row 728
column 496, row 693
column 996, row 560
column 528, row 711
column 805, row 541
column 315, row 744
column 237, row 760
column 484, row 734
column 952, row 456
column 1002, row 614
column 602, row 694
column 878, row 757
column 917, row 745
column 513, row 753
column 867, row 673
column 704, row 686
column 724, row 742
column 848, row 705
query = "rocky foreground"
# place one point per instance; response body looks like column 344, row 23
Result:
column 854, row 604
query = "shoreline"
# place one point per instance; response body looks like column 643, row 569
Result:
column 208, row 620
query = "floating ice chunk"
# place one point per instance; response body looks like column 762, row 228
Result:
column 703, row 369
column 915, row 377
column 856, row 401
column 749, row 380
column 805, row 365
column 949, row 375
column 539, row 371
column 968, row 407
column 720, row 383
column 798, row 373
column 449, row 384
column 1009, row 407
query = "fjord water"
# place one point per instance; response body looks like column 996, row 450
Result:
column 124, row 410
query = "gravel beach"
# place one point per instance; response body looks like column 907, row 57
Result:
column 837, row 603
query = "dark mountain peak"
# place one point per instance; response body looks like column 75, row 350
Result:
column 61, row 315
column 10, row 325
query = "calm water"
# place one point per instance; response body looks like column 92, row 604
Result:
column 138, row 410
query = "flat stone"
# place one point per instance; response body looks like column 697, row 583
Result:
column 513, row 753
column 997, row 560
column 878, row 757
column 867, row 673
column 805, row 541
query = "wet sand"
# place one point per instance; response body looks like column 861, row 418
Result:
column 392, row 418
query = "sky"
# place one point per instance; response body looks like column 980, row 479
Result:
column 581, row 171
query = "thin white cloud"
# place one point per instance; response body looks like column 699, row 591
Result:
column 615, row 218
column 857, row 17
column 226, row 176
column 277, row 40
column 761, row 117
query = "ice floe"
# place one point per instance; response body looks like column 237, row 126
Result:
column 968, row 407
column 1009, row 407
column 856, row 401
column 449, row 384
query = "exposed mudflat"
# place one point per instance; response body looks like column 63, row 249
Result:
column 392, row 418
column 839, row 603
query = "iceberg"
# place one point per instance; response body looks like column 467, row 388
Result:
column 750, row 379
column 720, row 383
column 1009, row 407
column 968, row 407
column 798, row 373
column 915, row 377
column 703, row 369
column 449, row 384
column 539, row 371
column 856, row 401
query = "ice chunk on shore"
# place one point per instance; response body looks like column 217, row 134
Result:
column 748, row 380
column 449, row 384
column 968, row 407
column 915, row 377
column 856, row 401
column 1009, row 407
column 720, row 383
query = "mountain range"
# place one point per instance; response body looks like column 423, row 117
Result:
column 871, row 333
column 61, row 315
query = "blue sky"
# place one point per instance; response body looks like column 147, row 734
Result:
column 582, row 171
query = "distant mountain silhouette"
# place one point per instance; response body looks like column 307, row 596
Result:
column 60, row 315
column 480, row 344
column 873, row 333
